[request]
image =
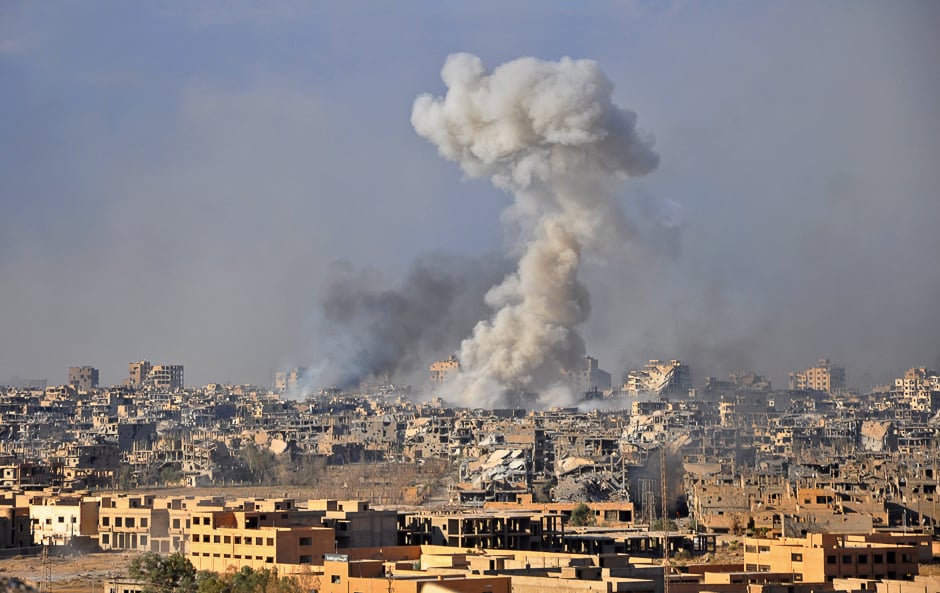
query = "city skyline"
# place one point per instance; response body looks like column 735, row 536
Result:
column 182, row 179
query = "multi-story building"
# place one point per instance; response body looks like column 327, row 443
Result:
column 63, row 521
column 919, row 389
column 168, row 377
column 444, row 369
column 14, row 525
column 591, row 377
column 221, row 540
column 165, row 377
column 825, row 377
column 356, row 525
column 369, row 576
column 820, row 558
column 672, row 377
column 289, row 380
column 83, row 378
column 139, row 371
column 131, row 522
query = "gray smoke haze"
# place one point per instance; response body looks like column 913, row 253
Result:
column 176, row 181
column 549, row 133
column 370, row 330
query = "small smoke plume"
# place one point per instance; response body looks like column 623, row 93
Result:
column 549, row 133
column 372, row 331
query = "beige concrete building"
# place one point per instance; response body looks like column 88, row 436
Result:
column 825, row 377
column 356, row 525
column 919, row 389
column 83, row 378
column 138, row 373
column 369, row 576
column 222, row 540
column 442, row 370
column 62, row 521
column 659, row 377
column 168, row 377
column 288, row 380
column 821, row 558
column 132, row 522
column 14, row 526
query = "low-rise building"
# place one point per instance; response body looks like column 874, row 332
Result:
column 223, row 540
column 821, row 558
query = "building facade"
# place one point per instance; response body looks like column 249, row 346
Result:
column 83, row 378
column 825, row 377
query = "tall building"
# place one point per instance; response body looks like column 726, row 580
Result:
column 590, row 377
column 168, row 377
column 289, row 380
column 919, row 388
column 825, row 377
column 659, row 377
column 444, row 369
column 83, row 378
column 138, row 373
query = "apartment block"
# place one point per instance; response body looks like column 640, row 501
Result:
column 14, row 522
column 221, row 540
column 658, row 377
column 63, row 521
column 919, row 389
column 590, row 377
column 168, row 377
column 369, row 576
column 825, row 377
column 83, row 378
column 356, row 525
column 131, row 522
column 289, row 380
column 444, row 369
column 820, row 558
column 164, row 377
column 139, row 371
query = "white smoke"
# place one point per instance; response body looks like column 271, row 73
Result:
column 548, row 133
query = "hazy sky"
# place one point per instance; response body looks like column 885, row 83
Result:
column 178, row 178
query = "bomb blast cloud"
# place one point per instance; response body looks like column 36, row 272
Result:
column 370, row 330
column 548, row 133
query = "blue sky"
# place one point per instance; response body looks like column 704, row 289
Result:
column 178, row 178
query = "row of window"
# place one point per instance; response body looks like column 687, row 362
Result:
column 227, row 539
column 207, row 520
column 106, row 540
column 267, row 559
column 60, row 518
column 124, row 521
column 863, row 558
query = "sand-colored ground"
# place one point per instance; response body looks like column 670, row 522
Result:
column 79, row 573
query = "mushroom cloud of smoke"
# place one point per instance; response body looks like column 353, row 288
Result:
column 549, row 133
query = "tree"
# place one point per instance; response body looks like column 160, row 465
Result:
column 658, row 524
column 170, row 574
column 582, row 515
column 248, row 580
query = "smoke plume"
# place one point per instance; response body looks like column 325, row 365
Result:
column 372, row 331
column 549, row 133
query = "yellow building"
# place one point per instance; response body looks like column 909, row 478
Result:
column 820, row 558
column 369, row 576
column 825, row 377
column 443, row 369
column 220, row 540
column 132, row 523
